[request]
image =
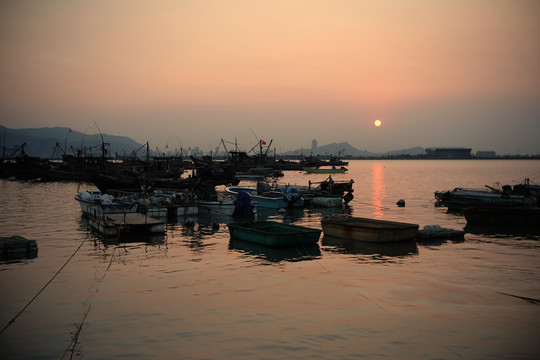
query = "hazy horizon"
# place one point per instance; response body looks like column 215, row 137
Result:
column 189, row 73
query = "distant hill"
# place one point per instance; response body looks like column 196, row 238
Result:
column 51, row 142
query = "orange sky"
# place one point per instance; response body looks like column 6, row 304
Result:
column 192, row 72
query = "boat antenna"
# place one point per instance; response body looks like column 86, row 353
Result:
column 254, row 134
column 102, row 146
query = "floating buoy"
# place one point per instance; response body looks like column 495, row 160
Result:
column 401, row 203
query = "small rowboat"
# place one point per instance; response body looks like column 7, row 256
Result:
column 372, row 230
column 272, row 233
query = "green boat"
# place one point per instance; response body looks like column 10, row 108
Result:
column 272, row 233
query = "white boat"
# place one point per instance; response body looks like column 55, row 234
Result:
column 217, row 206
column 94, row 201
column 272, row 199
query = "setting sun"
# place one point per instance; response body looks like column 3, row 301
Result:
column 377, row 123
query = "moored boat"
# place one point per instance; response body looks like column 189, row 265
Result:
column 94, row 201
column 460, row 198
column 270, row 199
column 365, row 229
column 273, row 233
column 223, row 207
column 320, row 170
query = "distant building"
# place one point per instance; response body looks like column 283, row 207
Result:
column 449, row 153
column 314, row 146
column 486, row 154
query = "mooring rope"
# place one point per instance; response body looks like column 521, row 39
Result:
column 75, row 339
column 42, row 289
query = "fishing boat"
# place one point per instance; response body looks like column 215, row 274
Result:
column 321, row 170
column 326, row 194
column 364, row 229
column 270, row 199
column 273, row 233
column 460, row 198
column 94, row 201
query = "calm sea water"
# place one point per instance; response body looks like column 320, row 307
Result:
column 194, row 294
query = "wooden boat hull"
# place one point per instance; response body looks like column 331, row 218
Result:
column 372, row 230
column 272, row 233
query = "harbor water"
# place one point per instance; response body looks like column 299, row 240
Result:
column 196, row 294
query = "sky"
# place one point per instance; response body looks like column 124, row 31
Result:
column 181, row 73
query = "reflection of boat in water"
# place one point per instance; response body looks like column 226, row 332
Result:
column 276, row 254
column 348, row 246
column 502, row 220
column 148, row 239
column 529, row 232
column 502, row 216
column 90, row 223
column 273, row 233
column 125, row 224
column 365, row 229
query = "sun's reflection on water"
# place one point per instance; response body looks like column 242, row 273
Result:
column 377, row 188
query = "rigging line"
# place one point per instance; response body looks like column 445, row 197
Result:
column 42, row 289
column 373, row 205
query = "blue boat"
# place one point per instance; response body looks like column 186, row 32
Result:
column 273, row 233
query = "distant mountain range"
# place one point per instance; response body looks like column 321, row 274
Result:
column 52, row 142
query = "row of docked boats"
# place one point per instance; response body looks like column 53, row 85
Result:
column 507, row 206
column 113, row 215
